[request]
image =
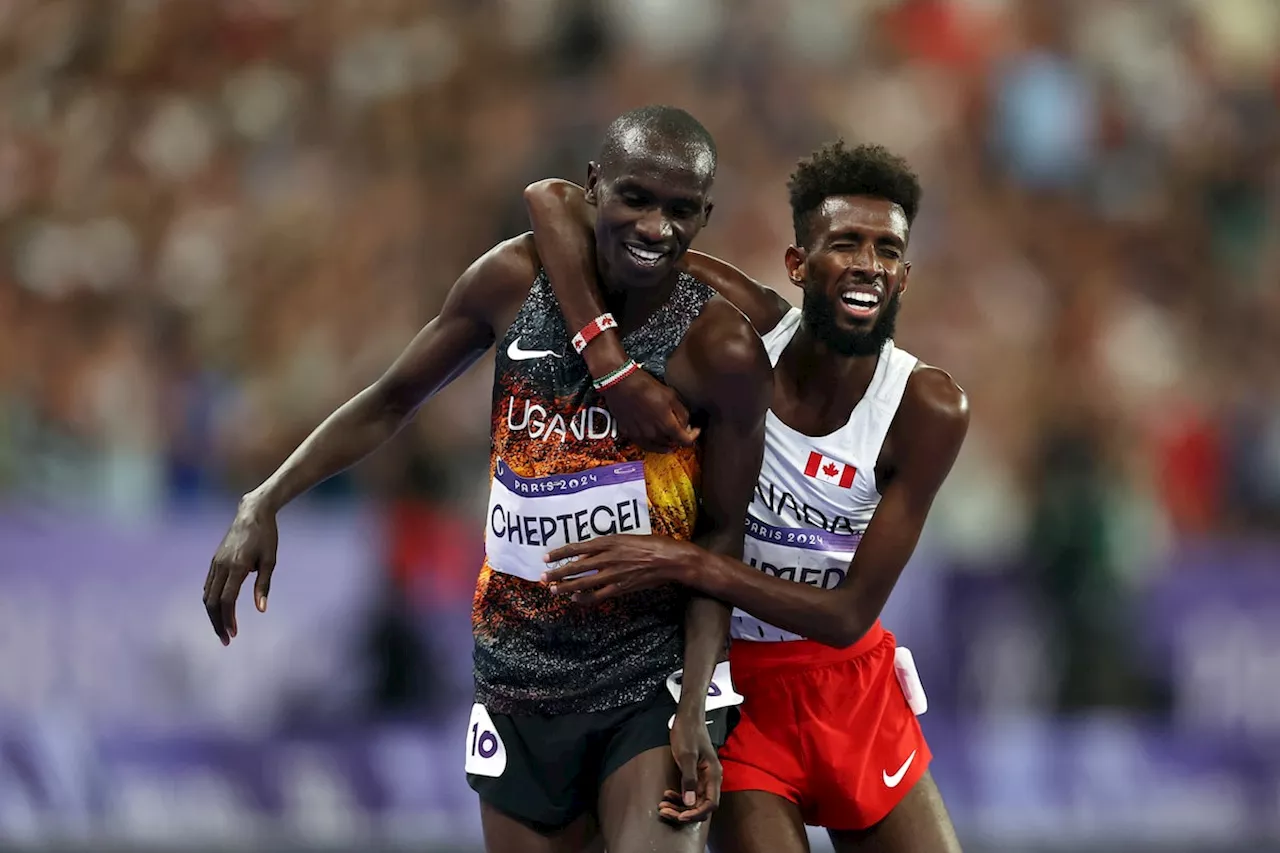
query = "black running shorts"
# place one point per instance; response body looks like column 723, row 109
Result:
column 545, row 771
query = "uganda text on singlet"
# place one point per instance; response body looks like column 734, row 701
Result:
column 560, row 473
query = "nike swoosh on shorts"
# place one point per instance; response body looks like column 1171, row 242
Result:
column 896, row 779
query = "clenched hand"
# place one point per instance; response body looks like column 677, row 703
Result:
column 650, row 413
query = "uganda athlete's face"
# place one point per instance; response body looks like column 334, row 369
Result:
column 649, row 207
column 853, row 271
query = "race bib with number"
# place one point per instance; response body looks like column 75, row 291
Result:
column 799, row 554
column 529, row 516
column 486, row 753
column 720, row 692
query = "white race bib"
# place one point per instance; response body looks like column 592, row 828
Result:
column 486, row 753
column 529, row 516
column 720, row 693
column 800, row 554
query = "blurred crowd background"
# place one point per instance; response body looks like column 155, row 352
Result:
column 219, row 220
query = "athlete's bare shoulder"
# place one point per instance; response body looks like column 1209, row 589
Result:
column 721, row 363
column 929, row 427
column 932, row 394
column 927, row 432
column 763, row 305
column 497, row 282
column 724, row 326
column 513, row 263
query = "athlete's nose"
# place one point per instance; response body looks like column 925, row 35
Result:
column 865, row 263
column 653, row 227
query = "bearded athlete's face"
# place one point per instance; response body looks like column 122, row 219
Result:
column 853, row 271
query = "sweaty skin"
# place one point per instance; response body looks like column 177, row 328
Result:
column 720, row 368
column 931, row 421
column 653, row 197
column 850, row 239
column 649, row 412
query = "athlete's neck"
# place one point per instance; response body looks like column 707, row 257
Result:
column 820, row 373
column 632, row 306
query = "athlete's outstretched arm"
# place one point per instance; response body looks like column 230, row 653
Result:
column 445, row 347
column 929, row 428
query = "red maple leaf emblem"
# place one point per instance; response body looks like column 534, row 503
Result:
column 830, row 469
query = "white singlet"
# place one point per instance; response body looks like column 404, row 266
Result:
column 816, row 496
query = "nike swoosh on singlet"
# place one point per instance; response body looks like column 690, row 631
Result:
column 516, row 354
column 894, row 780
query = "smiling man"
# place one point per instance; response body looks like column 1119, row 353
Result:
column 578, row 708
column 859, row 437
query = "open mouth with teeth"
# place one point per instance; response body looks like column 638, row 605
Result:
column 862, row 304
column 642, row 257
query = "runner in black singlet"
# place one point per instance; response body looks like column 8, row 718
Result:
column 578, row 710
column 548, row 420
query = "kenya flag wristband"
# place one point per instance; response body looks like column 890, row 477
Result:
column 613, row 377
column 592, row 330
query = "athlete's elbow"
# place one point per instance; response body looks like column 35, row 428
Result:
column 537, row 192
column 386, row 402
column 844, row 630
column 546, row 192
column 837, row 637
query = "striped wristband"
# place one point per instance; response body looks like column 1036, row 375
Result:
column 613, row 377
column 592, row 330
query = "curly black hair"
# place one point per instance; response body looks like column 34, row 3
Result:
column 836, row 169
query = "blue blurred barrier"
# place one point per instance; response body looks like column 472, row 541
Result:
column 122, row 719
column 106, row 623
column 1008, row 781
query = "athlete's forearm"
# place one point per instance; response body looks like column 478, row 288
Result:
column 735, row 368
column 357, row 428
column 706, row 636
column 561, row 223
column 706, row 630
column 827, row 616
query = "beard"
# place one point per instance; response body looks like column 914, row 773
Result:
column 820, row 317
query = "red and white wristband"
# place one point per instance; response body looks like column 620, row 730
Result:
column 613, row 377
column 592, row 330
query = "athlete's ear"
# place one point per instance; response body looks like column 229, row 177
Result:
column 593, row 179
column 795, row 260
column 706, row 211
column 906, row 274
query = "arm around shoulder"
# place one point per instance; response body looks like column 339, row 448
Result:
column 763, row 305
column 556, row 193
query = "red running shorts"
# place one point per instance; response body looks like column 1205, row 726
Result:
column 828, row 729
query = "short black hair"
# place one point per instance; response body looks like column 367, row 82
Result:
column 836, row 169
column 669, row 123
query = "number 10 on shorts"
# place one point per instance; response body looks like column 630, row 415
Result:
column 486, row 754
